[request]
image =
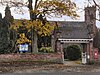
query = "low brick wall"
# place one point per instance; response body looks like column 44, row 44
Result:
column 49, row 57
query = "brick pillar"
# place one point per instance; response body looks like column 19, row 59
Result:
column 58, row 46
column 84, row 48
column 88, row 52
column 59, row 49
column 91, row 51
column 62, row 47
column 62, row 53
column 52, row 42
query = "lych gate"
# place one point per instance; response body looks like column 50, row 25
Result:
column 86, row 43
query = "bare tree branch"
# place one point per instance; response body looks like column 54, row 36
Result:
column 96, row 4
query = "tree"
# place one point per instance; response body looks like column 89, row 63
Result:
column 97, row 4
column 4, row 36
column 42, row 9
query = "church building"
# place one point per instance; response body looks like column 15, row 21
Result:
column 76, row 32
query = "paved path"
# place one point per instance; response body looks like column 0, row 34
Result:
column 73, row 63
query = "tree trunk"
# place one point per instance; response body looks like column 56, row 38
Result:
column 34, row 34
column 52, row 43
column 30, row 8
column 35, row 47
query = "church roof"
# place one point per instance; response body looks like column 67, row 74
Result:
column 73, row 30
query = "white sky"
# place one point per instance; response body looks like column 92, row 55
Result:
column 80, row 4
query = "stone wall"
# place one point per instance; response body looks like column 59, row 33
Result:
column 49, row 57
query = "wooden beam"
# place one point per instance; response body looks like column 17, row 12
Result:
column 75, row 40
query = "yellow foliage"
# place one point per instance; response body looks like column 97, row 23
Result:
column 15, row 25
column 36, row 25
column 43, row 29
column 58, row 7
column 23, row 39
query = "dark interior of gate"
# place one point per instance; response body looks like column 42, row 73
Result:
column 73, row 48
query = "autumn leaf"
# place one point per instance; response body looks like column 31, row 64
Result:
column 23, row 39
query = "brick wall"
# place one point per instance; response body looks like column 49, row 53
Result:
column 50, row 57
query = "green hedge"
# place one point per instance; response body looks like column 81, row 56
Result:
column 73, row 52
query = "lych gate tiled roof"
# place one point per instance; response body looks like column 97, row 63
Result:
column 73, row 30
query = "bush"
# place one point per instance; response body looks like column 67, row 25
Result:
column 73, row 52
column 46, row 49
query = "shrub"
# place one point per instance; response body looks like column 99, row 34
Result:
column 46, row 49
column 73, row 52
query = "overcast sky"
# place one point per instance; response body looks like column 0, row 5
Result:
column 80, row 4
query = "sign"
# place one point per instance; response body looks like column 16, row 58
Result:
column 84, row 61
column 96, row 53
column 23, row 48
